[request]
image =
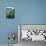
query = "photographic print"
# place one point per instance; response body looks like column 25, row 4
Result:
column 10, row 12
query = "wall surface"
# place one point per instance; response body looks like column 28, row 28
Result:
column 27, row 12
column 7, row 25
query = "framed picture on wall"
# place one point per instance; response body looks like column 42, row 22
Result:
column 10, row 12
